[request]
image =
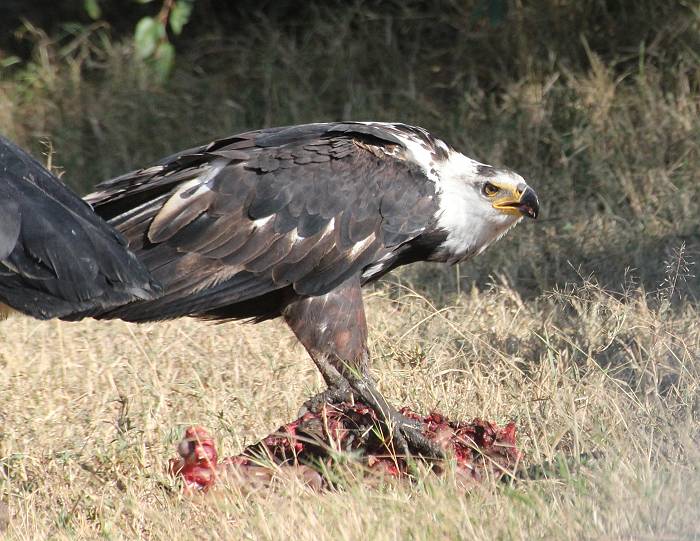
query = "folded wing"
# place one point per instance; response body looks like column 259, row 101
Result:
column 233, row 228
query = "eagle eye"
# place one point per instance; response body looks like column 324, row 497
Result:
column 490, row 189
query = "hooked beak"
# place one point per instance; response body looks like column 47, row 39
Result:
column 521, row 202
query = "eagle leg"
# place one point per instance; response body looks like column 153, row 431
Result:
column 333, row 329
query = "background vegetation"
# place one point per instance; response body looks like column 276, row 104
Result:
column 583, row 326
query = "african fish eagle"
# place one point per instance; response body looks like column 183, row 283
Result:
column 292, row 221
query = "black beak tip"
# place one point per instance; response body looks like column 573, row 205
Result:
column 529, row 204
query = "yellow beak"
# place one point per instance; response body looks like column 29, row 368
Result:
column 521, row 201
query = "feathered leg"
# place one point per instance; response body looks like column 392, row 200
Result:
column 333, row 329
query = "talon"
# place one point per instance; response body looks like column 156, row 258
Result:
column 406, row 433
column 338, row 393
column 421, row 444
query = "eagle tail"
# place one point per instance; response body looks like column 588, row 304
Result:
column 57, row 257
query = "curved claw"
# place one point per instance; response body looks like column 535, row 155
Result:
column 332, row 395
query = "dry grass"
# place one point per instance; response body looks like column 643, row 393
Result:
column 90, row 413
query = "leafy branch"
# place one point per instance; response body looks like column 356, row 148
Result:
column 151, row 41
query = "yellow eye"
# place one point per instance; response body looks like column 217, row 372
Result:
column 490, row 189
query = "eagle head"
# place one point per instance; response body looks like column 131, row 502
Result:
column 478, row 204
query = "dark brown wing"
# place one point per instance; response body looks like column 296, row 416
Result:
column 56, row 256
column 299, row 209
